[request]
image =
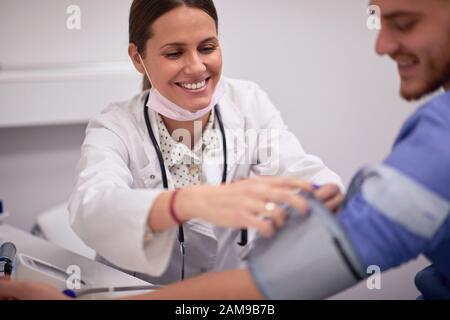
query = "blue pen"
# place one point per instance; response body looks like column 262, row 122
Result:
column 70, row 293
column 86, row 291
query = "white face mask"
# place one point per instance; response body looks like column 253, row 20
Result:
column 160, row 104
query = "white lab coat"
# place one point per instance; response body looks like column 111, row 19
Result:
column 119, row 178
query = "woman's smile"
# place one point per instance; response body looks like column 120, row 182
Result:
column 194, row 87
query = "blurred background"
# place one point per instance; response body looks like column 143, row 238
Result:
column 315, row 58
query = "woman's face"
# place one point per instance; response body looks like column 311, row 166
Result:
column 183, row 58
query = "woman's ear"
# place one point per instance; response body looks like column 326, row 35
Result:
column 134, row 56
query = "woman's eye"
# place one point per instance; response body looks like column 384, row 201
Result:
column 173, row 55
column 207, row 49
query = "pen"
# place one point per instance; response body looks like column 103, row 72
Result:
column 83, row 292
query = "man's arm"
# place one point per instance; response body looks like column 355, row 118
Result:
column 228, row 285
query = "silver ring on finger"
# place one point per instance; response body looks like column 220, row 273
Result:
column 270, row 206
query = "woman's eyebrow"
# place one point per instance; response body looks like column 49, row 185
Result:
column 172, row 44
column 210, row 39
column 181, row 44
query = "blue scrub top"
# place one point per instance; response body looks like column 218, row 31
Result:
column 422, row 153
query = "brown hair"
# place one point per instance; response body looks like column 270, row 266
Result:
column 144, row 13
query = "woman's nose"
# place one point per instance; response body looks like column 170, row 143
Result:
column 194, row 65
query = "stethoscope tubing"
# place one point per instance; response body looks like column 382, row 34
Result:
column 244, row 232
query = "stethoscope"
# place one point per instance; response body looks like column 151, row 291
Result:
column 244, row 232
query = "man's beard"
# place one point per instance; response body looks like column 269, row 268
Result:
column 440, row 77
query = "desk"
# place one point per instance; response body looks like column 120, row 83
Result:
column 98, row 274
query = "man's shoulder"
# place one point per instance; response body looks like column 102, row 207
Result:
column 421, row 149
column 437, row 110
column 432, row 116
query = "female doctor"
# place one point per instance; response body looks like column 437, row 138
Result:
column 164, row 189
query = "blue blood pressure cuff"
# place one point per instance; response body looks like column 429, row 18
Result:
column 309, row 258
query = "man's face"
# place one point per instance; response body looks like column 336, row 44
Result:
column 416, row 35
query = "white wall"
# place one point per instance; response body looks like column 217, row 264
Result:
column 314, row 57
column 37, row 166
column 68, row 75
column 316, row 60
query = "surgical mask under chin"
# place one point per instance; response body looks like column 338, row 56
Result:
column 160, row 104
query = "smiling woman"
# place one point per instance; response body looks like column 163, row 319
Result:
column 121, row 205
column 183, row 58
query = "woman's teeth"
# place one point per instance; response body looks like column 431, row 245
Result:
column 194, row 86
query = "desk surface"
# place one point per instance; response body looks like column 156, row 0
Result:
column 98, row 274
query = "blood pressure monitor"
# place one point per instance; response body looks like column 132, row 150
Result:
column 32, row 269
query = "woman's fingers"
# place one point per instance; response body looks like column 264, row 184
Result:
column 291, row 199
column 327, row 192
column 267, row 221
column 263, row 194
column 253, row 203
column 275, row 217
column 264, row 226
column 335, row 203
column 264, row 203
column 284, row 182
column 261, row 209
column 331, row 195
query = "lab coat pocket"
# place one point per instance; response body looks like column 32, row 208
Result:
column 150, row 177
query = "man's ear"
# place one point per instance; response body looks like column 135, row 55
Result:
column 134, row 56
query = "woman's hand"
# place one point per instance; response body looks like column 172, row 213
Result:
column 28, row 290
column 330, row 195
column 245, row 204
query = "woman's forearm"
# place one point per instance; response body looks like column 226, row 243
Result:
column 237, row 205
column 160, row 218
column 228, row 285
